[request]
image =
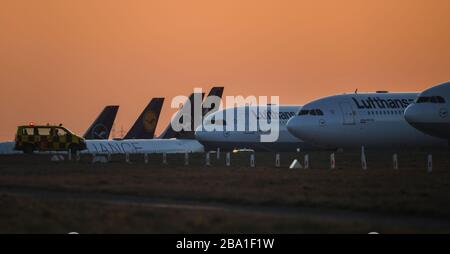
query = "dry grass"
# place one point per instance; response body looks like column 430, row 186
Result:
column 410, row 191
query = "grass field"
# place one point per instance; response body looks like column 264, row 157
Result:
column 40, row 196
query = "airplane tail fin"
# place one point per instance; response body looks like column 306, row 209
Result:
column 145, row 125
column 101, row 127
column 169, row 132
column 213, row 98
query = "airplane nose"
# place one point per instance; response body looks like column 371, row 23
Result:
column 411, row 114
column 295, row 126
column 304, row 128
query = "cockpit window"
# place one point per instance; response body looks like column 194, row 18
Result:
column 303, row 112
column 430, row 99
column 423, row 99
column 312, row 112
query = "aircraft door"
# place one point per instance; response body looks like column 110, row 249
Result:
column 348, row 113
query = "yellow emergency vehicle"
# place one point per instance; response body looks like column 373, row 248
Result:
column 30, row 138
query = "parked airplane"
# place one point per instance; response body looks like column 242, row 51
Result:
column 137, row 139
column 213, row 98
column 145, row 125
column 131, row 146
column 101, row 127
column 170, row 141
column 429, row 113
column 355, row 120
column 141, row 146
column 249, row 139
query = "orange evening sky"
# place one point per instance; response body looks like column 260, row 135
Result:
column 63, row 60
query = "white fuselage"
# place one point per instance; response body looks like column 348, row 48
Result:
column 355, row 120
column 430, row 112
column 249, row 138
column 131, row 146
column 141, row 146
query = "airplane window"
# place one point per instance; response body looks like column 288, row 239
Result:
column 423, row 99
column 432, row 99
column 312, row 112
column 319, row 112
column 303, row 112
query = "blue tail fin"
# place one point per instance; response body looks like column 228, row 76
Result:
column 101, row 127
column 215, row 95
column 169, row 132
column 145, row 125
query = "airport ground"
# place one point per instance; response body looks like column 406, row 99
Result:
column 41, row 196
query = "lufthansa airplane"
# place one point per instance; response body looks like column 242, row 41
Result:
column 429, row 113
column 140, row 137
column 249, row 139
column 145, row 125
column 101, row 127
column 214, row 97
column 355, row 120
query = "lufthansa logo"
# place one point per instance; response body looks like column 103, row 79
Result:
column 149, row 121
column 443, row 113
column 99, row 131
